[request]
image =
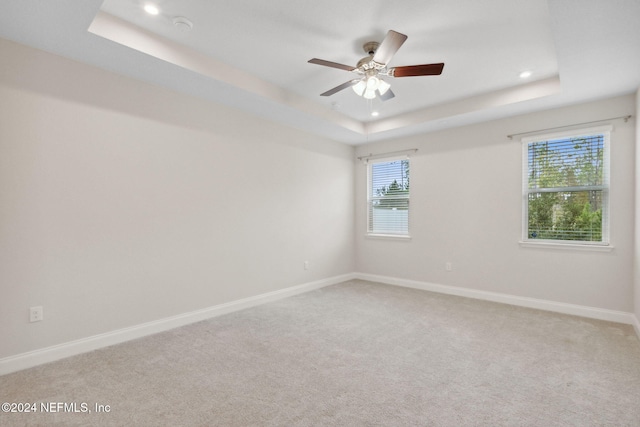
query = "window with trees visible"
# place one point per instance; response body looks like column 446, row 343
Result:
column 388, row 197
column 566, row 188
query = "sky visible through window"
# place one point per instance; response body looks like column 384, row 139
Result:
column 384, row 173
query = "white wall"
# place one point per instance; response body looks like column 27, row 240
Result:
column 466, row 208
column 637, row 219
column 123, row 203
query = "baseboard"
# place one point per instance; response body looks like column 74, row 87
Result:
column 636, row 325
column 558, row 307
column 61, row 351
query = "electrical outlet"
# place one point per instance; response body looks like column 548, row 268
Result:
column 306, row 265
column 36, row 314
column 448, row 266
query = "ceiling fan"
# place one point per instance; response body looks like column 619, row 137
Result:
column 372, row 67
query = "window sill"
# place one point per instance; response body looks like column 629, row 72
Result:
column 388, row 236
column 566, row 246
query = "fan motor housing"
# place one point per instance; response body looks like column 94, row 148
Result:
column 367, row 63
column 370, row 47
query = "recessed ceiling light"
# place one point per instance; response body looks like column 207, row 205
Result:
column 375, row 113
column 525, row 74
column 151, row 9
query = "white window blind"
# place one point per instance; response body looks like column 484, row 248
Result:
column 388, row 197
column 566, row 188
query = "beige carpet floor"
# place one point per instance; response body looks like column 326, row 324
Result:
column 353, row 354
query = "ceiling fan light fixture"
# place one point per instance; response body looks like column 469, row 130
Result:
column 359, row 87
column 369, row 94
column 368, row 85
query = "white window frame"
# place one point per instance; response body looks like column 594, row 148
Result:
column 389, row 235
column 603, row 245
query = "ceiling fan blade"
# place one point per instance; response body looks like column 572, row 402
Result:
column 385, row 96
column 389, row 46
column 339, row 88
column 331, row 64
column 417, row 70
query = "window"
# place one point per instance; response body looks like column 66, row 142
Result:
column 388, row 197
column 566, row 188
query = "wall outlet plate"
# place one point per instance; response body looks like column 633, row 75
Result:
column 36, row 314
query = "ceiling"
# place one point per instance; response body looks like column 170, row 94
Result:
column 253, row 55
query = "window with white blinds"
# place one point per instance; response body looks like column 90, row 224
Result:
column 566, row 188
column 388, row 197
